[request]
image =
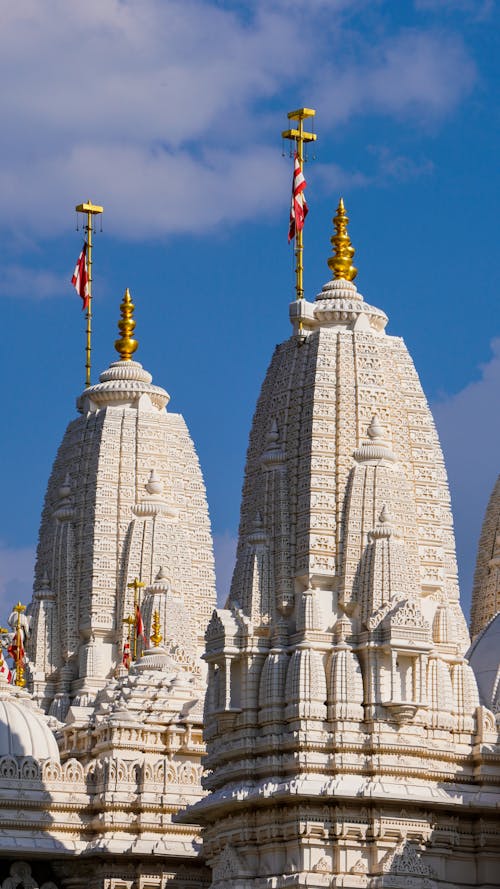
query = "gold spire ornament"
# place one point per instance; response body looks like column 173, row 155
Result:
column 341, row 261
column 126, row 345
column 90, row 210
column 156, row 636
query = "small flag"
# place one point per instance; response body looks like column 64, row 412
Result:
column 80, row 279
column 139, row 625
column 126, row 659
column 298, row 207
column 4, row 670
column 17, row 654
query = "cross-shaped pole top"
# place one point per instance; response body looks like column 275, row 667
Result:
column 300, row 135
column 136, row 585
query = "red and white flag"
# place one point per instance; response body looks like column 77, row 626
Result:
column 126, row 659
column 16, row 652
column 139, row 624
column 298, row 207
column 4, row 670
column 80, row 279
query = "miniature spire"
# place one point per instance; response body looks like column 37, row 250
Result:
column 154, row 484
column 384, row 517
column 375, row 430
column 341, row 261
column 156, row 636
column 162, row 577
column 126, row 345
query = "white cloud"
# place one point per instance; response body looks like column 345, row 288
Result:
column 20, row 281
column 423, row 73
column 16, row 577
column 225, row 557
column 399, row 167
column 152, row 192
column 469, row 427
column 145, row 106
column 478, row 9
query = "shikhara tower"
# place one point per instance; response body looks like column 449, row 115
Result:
column 346, row 744
column 125, row 498
column 125, row 509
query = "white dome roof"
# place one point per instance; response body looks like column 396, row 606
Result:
column 23, row 732
column 484, row 658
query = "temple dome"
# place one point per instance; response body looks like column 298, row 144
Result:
column 24, row 732
column 484, row 658
column 486, row 590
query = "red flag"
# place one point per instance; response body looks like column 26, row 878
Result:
column 17, row 654
column 298, row 207
column 80, row 279
column 139, row 625
column 4, row 670
column 126, row 659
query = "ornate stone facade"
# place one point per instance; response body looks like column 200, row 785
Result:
column 125, row 500
column 346, row 743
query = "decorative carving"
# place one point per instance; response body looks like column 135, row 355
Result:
column 20, row 877
column 228, row 866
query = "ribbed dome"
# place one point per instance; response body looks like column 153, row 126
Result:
column 484, row 658
column 486, row 591
column 24, row 733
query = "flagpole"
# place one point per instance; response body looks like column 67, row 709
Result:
column 19, row 659
column 90, row 210
column 136, row 586
column 299, row 136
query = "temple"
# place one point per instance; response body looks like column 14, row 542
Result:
column 331, row 726
column 124, row 526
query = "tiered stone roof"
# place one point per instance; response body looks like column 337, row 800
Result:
column 343, row 722
column 125, row 497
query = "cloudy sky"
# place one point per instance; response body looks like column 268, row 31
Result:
column 169, row 113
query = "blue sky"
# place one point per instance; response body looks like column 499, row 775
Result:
column 169, row 113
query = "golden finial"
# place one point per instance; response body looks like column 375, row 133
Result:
column 341, row 261
column 126, row 345
column 156, row 637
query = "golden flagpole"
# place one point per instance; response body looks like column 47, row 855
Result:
column 136, row 586
column 19, row 660
column 130, row 621
column 90, row 210
column 299, row 136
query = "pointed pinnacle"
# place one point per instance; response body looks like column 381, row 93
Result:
column 126, row 345
column 341, row 261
